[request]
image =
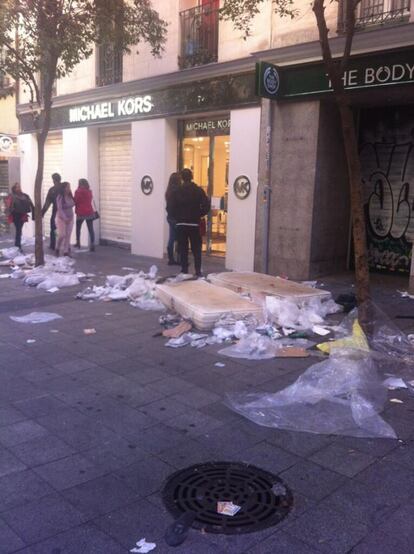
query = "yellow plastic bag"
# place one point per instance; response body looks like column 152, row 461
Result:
column 356, row 341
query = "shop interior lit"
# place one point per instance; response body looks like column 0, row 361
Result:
column 208, row 159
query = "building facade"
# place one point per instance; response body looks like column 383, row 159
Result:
column 9, row 154
column 126, row 122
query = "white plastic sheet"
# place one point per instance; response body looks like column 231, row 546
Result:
column 342, row 395
column 299, row 315
column 36, row 317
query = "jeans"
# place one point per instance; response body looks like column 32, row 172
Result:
column 18, row 223
column 64, row 229
column 89, row 223
column 53, row 232
column 190, row 233
column 171, row 239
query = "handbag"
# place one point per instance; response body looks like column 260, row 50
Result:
column 95, row 213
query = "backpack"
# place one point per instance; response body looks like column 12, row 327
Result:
column 21, row 204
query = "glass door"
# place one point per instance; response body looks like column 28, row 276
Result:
column 208, row 159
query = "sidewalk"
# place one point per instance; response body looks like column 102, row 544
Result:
column 91, row 426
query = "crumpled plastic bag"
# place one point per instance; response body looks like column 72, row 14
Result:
column 251, row 347
column 342, row 395
column 36, row 317
column 299, row 315
column 356, row 341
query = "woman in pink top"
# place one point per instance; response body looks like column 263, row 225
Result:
column 64, row 219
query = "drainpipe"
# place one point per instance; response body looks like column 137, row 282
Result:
column 267, row 188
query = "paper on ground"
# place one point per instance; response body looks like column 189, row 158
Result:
column 36, row 317
column 393, row 383
column 143, row 547
column 227, row 508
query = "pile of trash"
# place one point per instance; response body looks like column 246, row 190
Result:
column 56, row 273
column 345, row 393
column 284, row 330
column 136, row 288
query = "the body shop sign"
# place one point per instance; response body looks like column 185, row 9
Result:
column 125, row 107
column 364, row 72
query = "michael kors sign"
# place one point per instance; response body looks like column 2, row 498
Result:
column 127, row 107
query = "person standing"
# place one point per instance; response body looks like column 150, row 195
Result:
column 64, row 219
column 174, row 183
column 84, row 212
column 51, row 197
column 189, row 204
column 18, row 206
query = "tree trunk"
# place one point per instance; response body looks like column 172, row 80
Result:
column 357, row 201
column 39, row 255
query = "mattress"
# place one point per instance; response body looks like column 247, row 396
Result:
column 268, row 285
column 204, row 303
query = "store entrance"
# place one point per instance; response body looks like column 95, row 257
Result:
column 208, row 158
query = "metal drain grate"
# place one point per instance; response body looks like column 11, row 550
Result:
column 264, row 498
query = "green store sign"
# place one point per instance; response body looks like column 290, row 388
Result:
column 382, row 70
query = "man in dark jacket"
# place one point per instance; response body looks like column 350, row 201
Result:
column 189, row 204
column 51, row 200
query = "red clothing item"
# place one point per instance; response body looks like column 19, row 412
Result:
column 83, row 202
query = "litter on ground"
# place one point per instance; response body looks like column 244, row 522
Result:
column 89, row 331
column 143, row 547
column 227, row 508
column 36, row 317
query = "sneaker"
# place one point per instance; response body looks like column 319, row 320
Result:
column 77, row 245
column 92, row 248
column 177, row 532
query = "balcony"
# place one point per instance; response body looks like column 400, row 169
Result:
column 199, row 35
column 376, row 13
column 109, row 65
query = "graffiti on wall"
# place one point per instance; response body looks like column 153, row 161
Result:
column 387, row 165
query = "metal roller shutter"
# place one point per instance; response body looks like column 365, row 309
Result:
column 53, row 164
column 115, row 184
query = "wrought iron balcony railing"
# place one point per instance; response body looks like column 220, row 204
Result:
column 377, row 18
column 109, row 65
column 199, row 35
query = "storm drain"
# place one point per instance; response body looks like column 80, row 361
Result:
column 264, row 499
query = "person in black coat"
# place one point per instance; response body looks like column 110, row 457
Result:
column 188, row 205
column 18, row 207
column 51, row 197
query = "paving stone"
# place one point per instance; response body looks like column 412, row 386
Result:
column 21, row 487
column 269, row 457
column 368, row 505
column 186, row 454
column 70, row 471
column 195, row 424
column 196, row 397
column 327, row 530
column 85, row 539
column 394, row 535
column 282, row 543
column 10, row 415
column 302, row 444
column 227, row 440
column 100, row 496
column 160, row 437
column 394, row 480
column 73, row 366
column 42, row 518
column 114, row 454
column 373, row 447
column 346, row 461
column 130, row 524
column 164, row 409
column 312, row 480
column 9, row 463
column 42, row 450
column 403, row 454
column 20, row 432
column 9, row 541
column 39, row 406
column 146, row 476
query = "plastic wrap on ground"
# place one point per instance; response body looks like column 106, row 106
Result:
column 342, row 395
column 36, row 317
column 299, row 315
